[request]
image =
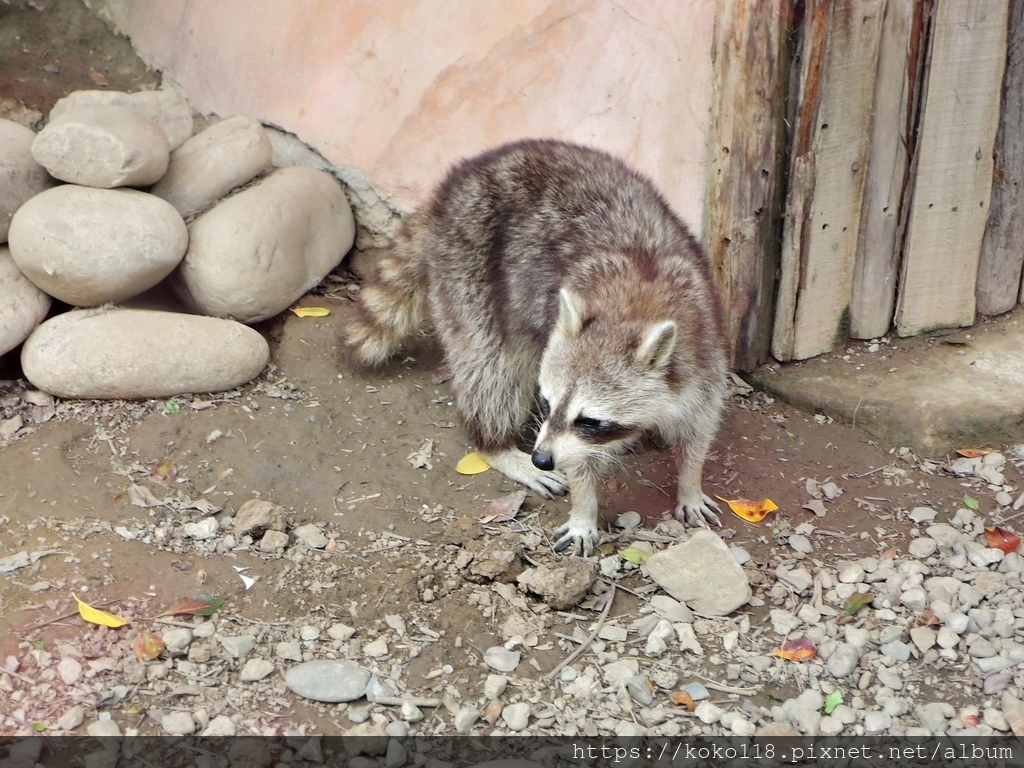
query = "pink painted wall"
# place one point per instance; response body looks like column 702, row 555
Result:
column 400, row 89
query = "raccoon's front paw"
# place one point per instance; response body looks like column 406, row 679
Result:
column 582, row 537
column 698, row 513
column 516, row 465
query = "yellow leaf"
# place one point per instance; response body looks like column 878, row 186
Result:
column 471, row 464
column 311, row 311
column 751, row 511
column 635, row 555
column 96, row 616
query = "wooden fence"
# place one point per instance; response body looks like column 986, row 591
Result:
column 865, row 169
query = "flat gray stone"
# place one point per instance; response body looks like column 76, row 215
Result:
column 23, row 305
column 702, row 573
column 21, row 177
column 103, row 146
column 253, row 254
column 238, row 646
column 843, row 661
column 310, row 536
column 255, row 669
column 89, row 247
column 131, row 353
column 178, row 724
column 516, row 716
column 328, row 681
column 938, row 399
column 212, row 163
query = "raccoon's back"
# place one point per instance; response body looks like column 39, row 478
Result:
column 509, row 225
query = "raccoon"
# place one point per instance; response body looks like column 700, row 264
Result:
column 559, row 280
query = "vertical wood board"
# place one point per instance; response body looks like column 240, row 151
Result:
column 746, row 146
column 873, row 296
column 1002, row 249
column 833, row 123
column 953, row 181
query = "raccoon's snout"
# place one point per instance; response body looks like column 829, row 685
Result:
column 543, row 460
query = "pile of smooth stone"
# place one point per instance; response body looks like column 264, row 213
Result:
column 103, row 245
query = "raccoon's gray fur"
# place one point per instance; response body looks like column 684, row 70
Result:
column 549, row 265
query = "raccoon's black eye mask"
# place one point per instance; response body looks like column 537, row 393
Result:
column 598, row 431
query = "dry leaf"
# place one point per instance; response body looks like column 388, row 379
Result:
column 96, row 616
column 929, row 619
column 141, row 496
column 195, row 606
column 420, row 458
column 311, row 311
column 444, row 424
column 165, row 469
column 683, row 699
column 471, row 464
column 800, row 649
column 147, row 646
column 856, row 601
column 817, row 506
column 504, row 509
column 98, row 77
column 635, row 555
column 751, row 511
column 440, row 375
column 1002, row 539
column 974, row 453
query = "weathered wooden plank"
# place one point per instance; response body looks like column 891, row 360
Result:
column 953, row 183
column 745, row 168
column 833, row 123
column 1002, row 250
column 876, row 265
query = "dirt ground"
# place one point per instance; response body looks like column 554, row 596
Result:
column 333, row 449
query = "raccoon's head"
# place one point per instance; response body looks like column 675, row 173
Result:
column 603, row 382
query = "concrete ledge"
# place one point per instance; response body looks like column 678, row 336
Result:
column 934, row 394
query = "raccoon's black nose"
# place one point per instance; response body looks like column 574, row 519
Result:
column 543, row 460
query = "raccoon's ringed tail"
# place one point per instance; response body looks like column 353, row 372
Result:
column 391, row 311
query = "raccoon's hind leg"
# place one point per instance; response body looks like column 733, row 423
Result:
column 693, row 507
column 392, row 305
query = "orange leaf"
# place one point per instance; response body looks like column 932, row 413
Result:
column 96, row 616
column 683, row 699
column 751, row 511
column 195, row 606
column 147, row 646
column 1000, row 538
column 973, row 453
column 970, row 720
column 929, row 619
column 800, row 649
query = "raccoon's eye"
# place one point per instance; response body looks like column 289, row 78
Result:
column 545, row 407
column 587, row 423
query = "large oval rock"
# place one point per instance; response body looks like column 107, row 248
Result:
column 89, row 246
column 702, row 573
column 253, row 254
column 103, row 146
column 22, row 305
column 167, row 107
column 213, row 162
column 328, row 680
column 130, row 354
column 21, row 177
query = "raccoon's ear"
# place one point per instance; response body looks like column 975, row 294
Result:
column 571, row 313
column 656, row 346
